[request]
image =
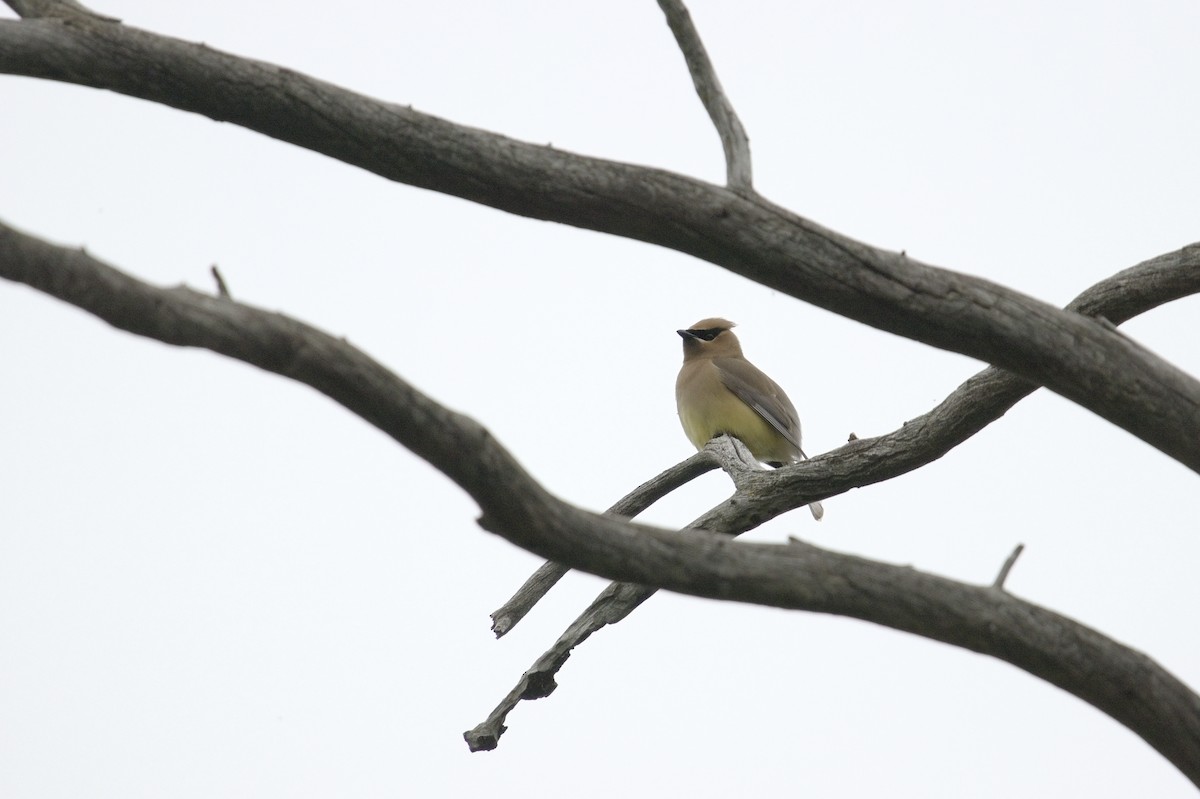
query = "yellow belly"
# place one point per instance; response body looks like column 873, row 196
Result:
column 721, row 412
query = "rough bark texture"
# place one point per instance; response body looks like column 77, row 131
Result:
column 1121, row 682
column 1077, row 357
column 978, row 402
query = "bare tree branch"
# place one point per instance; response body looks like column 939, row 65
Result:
column 1068, row 353
column 645, row 495
column 735, row 142
column 983, row 619
column 978, row 402
column 1121, row 682
column 614, row 603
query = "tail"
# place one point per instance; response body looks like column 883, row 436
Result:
column 818, row 510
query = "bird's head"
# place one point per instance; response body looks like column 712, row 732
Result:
column 710, row 338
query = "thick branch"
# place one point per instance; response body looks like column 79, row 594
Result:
column 735, row 142
column 989, row 394
column 1070, row 354
column 1121, row 682
column 980, row 618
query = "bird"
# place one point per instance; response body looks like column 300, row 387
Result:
column 719, row 391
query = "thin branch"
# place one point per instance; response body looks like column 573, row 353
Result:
column 633, row 503
column 729, row 453
column 1121, row 682
column 613, row 604
column 998, row 584
column 1071, row 355
column 735, row 142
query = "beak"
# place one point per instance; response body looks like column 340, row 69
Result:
column 685, row 334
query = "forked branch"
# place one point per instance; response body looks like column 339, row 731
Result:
column 732, row 227
column 549, row 573
column 975, row 404
column 1121, row 682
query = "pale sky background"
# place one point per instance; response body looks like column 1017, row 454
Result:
column 215, row 582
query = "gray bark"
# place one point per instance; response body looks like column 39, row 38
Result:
column 1083, row 358
column 1077, row 357
column 1127, row 685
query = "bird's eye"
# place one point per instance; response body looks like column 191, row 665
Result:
column 707, row 335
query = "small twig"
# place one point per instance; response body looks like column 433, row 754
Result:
column 222, row 288
column 738, row 173
column 1007, row 567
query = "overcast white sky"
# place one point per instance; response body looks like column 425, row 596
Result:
column 214, row 582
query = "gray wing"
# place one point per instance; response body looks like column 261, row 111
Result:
column 740, row 376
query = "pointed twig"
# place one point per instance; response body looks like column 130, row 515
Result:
column 738, row 172
column 222, row 287
column 1007, row 567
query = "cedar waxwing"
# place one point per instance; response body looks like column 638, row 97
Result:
column 719, row 391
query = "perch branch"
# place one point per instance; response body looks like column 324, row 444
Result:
column 1121, row 682
column 976, row 403
column 732, row 456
